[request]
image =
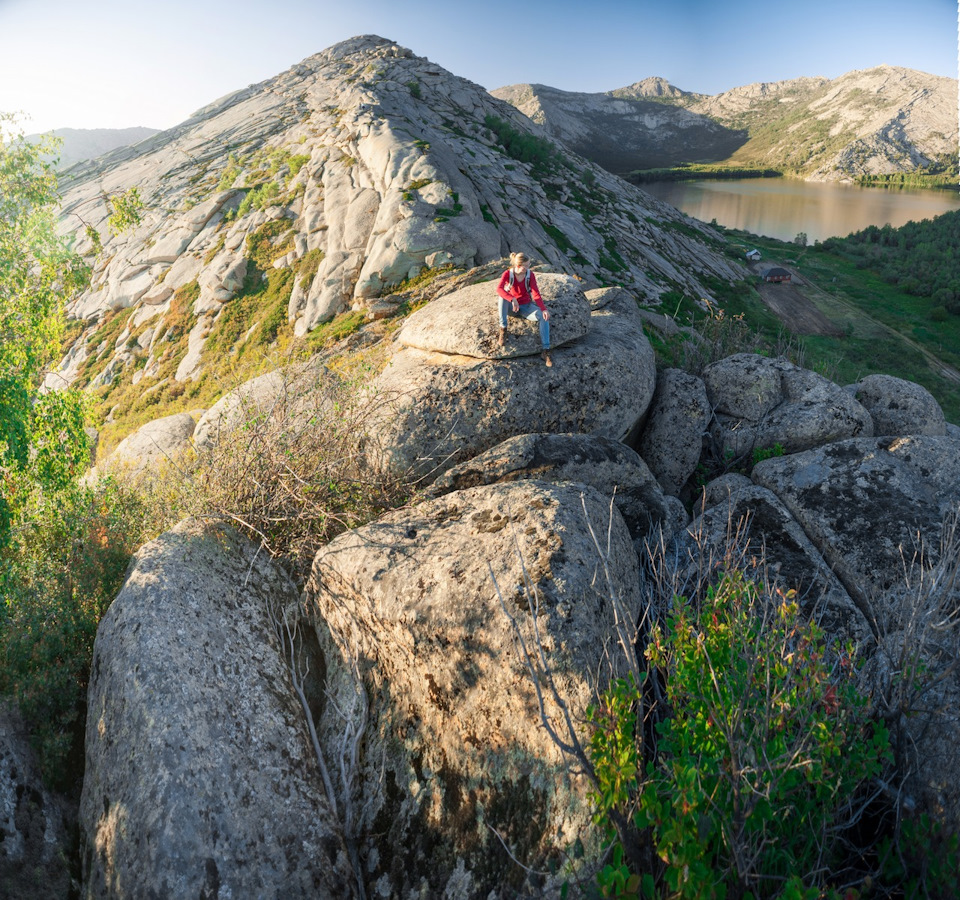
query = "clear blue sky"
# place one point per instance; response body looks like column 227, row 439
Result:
column 117, row 63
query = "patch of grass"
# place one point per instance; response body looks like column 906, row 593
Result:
column 264, row 246
column 336, row 329
column 306, row 267
column 418, row 281
column 557, row 236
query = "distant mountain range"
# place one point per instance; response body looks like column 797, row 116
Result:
column 79, row 144
column 876, row 121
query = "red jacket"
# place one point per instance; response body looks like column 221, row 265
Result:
column 519, row 291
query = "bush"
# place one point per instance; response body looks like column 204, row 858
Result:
column 539, row 153
column 66, row 564
column 293, row 470
column 735, row 764
column 764, row 750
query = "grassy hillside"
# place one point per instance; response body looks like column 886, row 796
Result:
column 885, row 329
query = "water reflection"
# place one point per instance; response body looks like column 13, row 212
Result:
column 782, row 207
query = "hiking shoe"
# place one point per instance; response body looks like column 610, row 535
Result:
column 546, row 358
column 502, row 339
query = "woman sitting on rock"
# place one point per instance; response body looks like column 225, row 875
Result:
column 518, row 289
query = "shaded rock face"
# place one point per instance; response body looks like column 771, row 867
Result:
column 672, row 439
column 759, row 402
column 445, row 408
column 625, row 130
column 35, row 826
column 466, row 322
column 899, row 407
column 612, row 468
column 868, row 504
column 887, row 119
column 200, row 779
column 788, row 553
column 454, row 748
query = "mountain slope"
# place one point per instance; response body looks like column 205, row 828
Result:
column 883, row 120
column 319, row 190
column 643, row 126
column 79, row 144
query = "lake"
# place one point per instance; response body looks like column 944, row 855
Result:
column 782, row 207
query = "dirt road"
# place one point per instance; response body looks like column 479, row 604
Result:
column 796, row 311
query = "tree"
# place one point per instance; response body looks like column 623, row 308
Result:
column 41, row 436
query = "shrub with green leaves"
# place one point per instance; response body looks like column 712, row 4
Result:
column 761, row 754
column 66, row 561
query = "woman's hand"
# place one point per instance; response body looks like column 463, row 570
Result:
column 546, row 316
column 515, row 305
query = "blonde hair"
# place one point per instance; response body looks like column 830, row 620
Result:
column 518, row 258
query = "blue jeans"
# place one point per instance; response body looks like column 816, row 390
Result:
column 529, row 311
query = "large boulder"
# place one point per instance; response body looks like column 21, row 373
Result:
column 439, row 409
column 672, row 439
column 869, row 505
column 615, row 470
column 35, row 824
column 200, row 779
column 760, row 402
column 293, row 393
column 157, row 442
column 899, row 407
column 466, row 322
column 459, row 766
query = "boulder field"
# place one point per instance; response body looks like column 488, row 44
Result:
column 437, row 767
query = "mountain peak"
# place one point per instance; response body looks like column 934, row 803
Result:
column 325, row 187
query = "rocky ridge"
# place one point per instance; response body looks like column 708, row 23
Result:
column 883, row 120
column 402, row 663
column 337, row 180
column 80, row 144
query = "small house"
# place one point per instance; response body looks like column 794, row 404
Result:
column 753, row 255
column 776, row 275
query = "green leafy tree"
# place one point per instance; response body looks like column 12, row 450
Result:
column 41, row 436
column 63, row 546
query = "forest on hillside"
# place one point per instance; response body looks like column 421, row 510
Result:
column 919, row 258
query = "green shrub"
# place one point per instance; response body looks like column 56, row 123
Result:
column 539, row 153
column 263, row 246
column 762, row 750
column 762, row 453
column 67, row 564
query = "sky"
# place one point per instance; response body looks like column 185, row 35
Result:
column 122, row 63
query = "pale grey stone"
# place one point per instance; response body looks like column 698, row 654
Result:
column 869, row 504
column 200, row 776
column 153, row 444
column 760, row 402
column 454, row 729
column 672, row 439
column 611, row 468
column 439, row 409
column 465, row 322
